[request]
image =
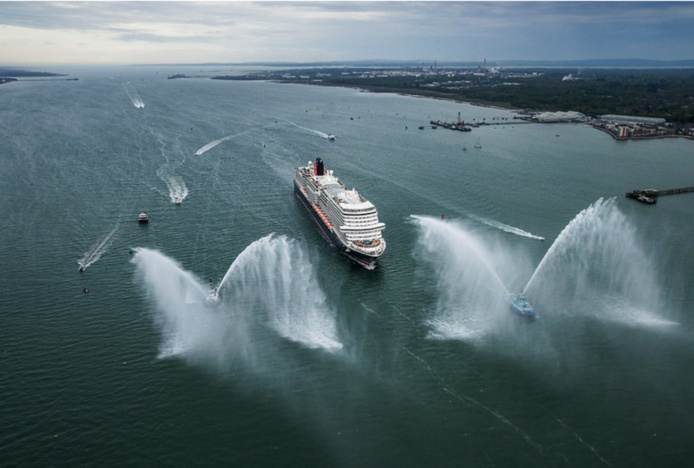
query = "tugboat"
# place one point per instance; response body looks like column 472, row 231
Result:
column 647, row 200
column 142, row 217
column 212, row 294
column 520, row 306
column 647, row 196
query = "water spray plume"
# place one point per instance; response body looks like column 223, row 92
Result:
column 598, row 266
column 471, row 294
column 276, row 276
column 270, row 286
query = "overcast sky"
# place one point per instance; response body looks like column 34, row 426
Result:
column 35, row 33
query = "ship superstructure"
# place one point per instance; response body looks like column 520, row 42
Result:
column 348, row 220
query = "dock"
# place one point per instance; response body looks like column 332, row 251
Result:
column 459, row 125
column 650, row 196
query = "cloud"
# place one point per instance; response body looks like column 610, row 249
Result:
column 314, row 31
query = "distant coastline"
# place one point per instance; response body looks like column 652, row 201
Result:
column 587, row 63
column 11, row 75
column 642, row 95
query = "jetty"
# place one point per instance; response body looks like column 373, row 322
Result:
column 650, row 196
column 459, row 125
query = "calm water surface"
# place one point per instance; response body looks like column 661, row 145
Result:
column 306, row 359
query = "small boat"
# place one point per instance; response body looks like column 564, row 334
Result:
column 81, row 266
column 648, row 196
column 177, row 200
column 464, row 148
column 331, row 137
column 421, row 127
column 212, row 294
column 142, row 217
column 520, row 306
column 647, row 200
column 477, row 145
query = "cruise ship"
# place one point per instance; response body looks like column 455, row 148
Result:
column 348, row 220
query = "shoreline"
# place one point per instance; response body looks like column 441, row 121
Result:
column 451, row 97
column 458, row 99
column 640, row 138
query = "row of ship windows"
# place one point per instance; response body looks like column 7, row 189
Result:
column 336, row 217
column 370, row 219
column 363, row 235
column 351, row 222
column 339, row 219
column 361, row 218
column 365, row 210
column 363, row 223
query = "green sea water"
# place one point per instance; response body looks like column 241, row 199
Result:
column 306, row 359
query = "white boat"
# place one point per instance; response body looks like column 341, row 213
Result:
column 331, row 137
column 346, row 219
column 477, row 145
column 142, row 217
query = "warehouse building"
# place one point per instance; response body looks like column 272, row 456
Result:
column 632, row 119
column 570, row 116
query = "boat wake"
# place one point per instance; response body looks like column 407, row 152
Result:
column 97, row 250
column 310, row 130
column 214, row 143
column 177, row 188
column 207, row 147
column 505, row 227
column 133, row 95
column 269, row 294
column 446, row 387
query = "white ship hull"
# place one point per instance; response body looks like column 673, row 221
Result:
column 348, row 221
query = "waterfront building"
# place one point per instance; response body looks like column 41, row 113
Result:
column 632, row 119
column 571, row 116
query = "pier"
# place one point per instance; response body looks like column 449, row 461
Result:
column 459, row 125
column 463, row 126
column 650, row 196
